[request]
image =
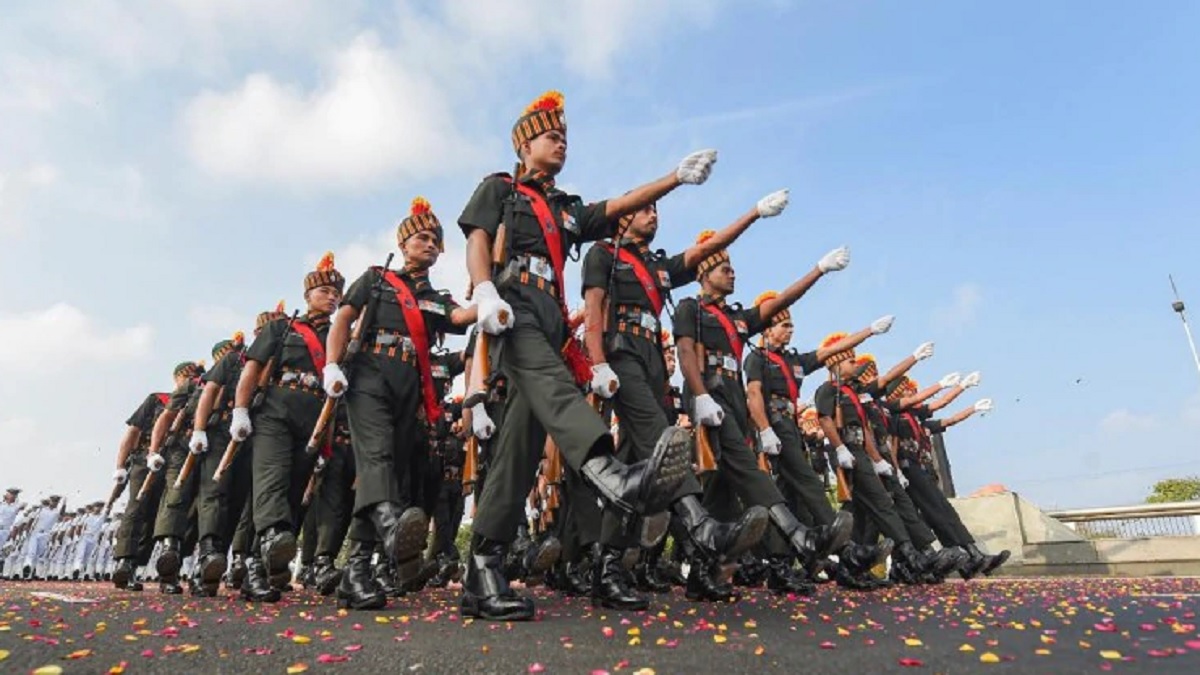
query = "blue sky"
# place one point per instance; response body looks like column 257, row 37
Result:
column 1015, row 181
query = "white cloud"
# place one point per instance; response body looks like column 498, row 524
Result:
column 63, row 336
column 1124, row 421
column 371, row 117
column 449, row 274
column 218, row 320
column 961, row 311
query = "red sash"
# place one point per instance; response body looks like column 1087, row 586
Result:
column 316, row 350
column 572, row 354
column 415, row 320
column 862, row 414
column 163, row 398
column 777, row 359
column 642, row 274
column 735, row 343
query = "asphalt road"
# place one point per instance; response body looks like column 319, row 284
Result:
column 1034, row 626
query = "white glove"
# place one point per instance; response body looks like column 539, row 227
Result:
column 835, row 261
column 983, row 406
column 882, row 325
column 605, row 382
column 903, row 480
column 335, row 380
column 971, row 380
column 845, row 458
column 772, row 205
column 769, row 441
column 240, row 427
column 155, row 462
column 120, row 476
column 481, row 424
column 495, row 315
column 949, row 380
column 694, row 168
column 883, row 467
column 199, row 443
column 924, row 351
column 708, row 411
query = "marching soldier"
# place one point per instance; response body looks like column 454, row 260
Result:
column 625, row 286
column 166, row 457
column 218, row 503
column 9, row 508
column 392, row 392
column 291, row 403
column 527, row 303
column 774, row 375
column 448, row 512
column 135, row 536
column 710, row 335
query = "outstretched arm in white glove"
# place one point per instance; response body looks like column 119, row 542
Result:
column 878, row 327
column 767, row 207
column 692, row 170
column 833, row 261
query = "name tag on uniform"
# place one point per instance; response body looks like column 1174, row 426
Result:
column 675, row 401
column 729, row 363
column 741, row 326
column 431, row 307
column 569, row 222
column 541, row 268
column 863, row 398
column 797, row 372
column 664, row 279
column 440, row 372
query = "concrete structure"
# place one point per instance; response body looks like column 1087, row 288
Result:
column 1043, row 546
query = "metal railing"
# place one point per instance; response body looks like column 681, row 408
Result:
column 1176, row 519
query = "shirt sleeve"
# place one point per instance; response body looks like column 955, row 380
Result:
column 825, row 400
column 754, row 366
column 809, row 363
column 593, row 223
column 921, row 411
column 143, row 417
column 359, row 293
column 755, row 324
column 934, row 426
column 485, row 209
column 679, row 273
column 263, row 347
column 455, row 363
column 179, row 397
column 449, row 304
column 684, row 323
column 223, row 370
column 597, row 265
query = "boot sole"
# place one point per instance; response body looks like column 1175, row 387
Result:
column 547, row 557
column 633, row 607
column 667, row 467
column 326, row 586
column 212, row 571
column 408, row 542
column 841, row 528
column 373, row 603
column 754, row 525
column 168, row 564
column 653, row 529
column 281, row 552
column 121, row 579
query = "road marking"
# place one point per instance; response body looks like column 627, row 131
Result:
column 62, row 598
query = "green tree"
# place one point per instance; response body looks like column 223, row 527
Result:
column 1175, row 490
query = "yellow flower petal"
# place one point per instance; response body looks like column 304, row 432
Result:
column 1042, row 652
column 301, row 639
column 966, row 648
column 3, row 654
column 988, row 657
column 913, row 642
column 1110, row 654
column 48, row 670
column 719, row 639
column 297, row 668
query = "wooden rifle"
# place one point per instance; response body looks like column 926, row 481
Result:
column 176, row 425
column 190, row 463
column 260, row 392
column 706, row 459
column 115, row 495
column 318, row 473
column 844, row 492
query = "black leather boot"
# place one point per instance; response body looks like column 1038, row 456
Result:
column 573, row 578
column 210, row 566
column 647, row 486
column 385, row 578
column 704, row 584
column 237, row 572
column 979, row 562
column 256, row 587
column 358, row 588
column 486, row 594
column 610, row 582
column 751, row 571
column 647, row 573
column 908, row 565
column 720, row 541
column 812, row 544
column 169, row 560
column 541, row 556
column 304, row 575
column 403, row 534
column 326, row 575
column 278, row 550
column 447, row 570
column 782, row 578
column 123, row 573
column 943, row 562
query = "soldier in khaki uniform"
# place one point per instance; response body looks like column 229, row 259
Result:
column 135, row 536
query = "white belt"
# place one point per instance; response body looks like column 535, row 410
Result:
column 539, row 267
column 727, row 362
column 305, row 379
column 853, row 435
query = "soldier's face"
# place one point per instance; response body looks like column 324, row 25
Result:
column 781, row 333
column 722, row 278
column 9, row 498
column 323, row 299
column 420, row 250
column 669, row 357
column 547, row 152
column 645, row 223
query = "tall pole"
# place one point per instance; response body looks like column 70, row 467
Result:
column 1178, row 307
